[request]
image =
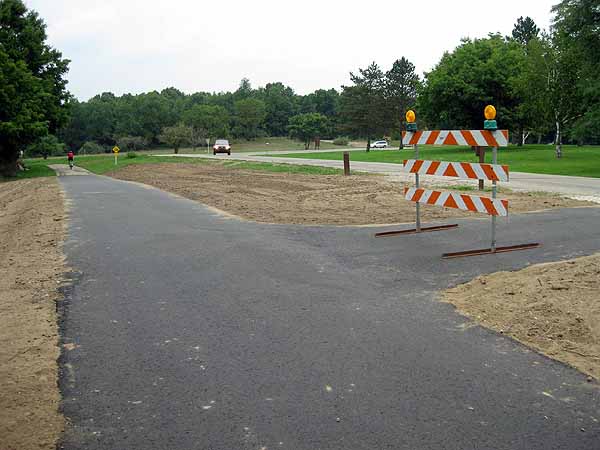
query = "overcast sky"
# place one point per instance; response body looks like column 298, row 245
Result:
column 198, row 45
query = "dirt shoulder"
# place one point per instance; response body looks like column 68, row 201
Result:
column 31, row 262
column 307, row 199
column 554, row 308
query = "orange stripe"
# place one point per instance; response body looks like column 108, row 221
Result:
column 487, row 169
column 416, row 137
column 432, row 137
column 489, row 206
column 468, row 137
column 505, row 169
column 469, row 202
column 404, row 162
column 489, row 138
column 417, row 166
column 418, row 194
column 450, row 140
column 451, row 171
column 505, row 203
column 469, row 170
column 505, row 133
column 433, row 197
column 433, row 167
column 450, row 202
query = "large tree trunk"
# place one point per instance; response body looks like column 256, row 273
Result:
column 521, row 133
column 8, row 162
column 176, row 150
column 558, row 140
column 368, row 143
column 401, row 146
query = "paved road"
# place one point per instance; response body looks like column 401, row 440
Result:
column 582, row 188
column 195, row 331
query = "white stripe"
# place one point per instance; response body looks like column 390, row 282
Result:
column 500, row 207
column 478, row 136
column 426, row 196
column 460, row 171
column 407, row 137
column 424, row 166
column 410, row 193
column 478, row 204
column 500, row 139
column 500, row 172
column 441, row 137
column 460, row 202
column 478, row 171
column 442, row 168
column 459, row 137
column 409, row 165
column 424, row 137
column 442, row 198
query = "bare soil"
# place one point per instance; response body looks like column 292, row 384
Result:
column 554, row 308
column 307, row 199
column 32, row 265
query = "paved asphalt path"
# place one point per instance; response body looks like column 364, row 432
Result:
column 194, row 331
column 583, row 188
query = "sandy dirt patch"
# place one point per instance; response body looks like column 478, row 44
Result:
column 31, row 263
column 554, row 308
column 307, row 199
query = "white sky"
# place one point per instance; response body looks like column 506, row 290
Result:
column 198, row 45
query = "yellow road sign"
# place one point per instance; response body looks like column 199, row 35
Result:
column 116, row 149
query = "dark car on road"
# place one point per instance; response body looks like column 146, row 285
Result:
column 221, row 146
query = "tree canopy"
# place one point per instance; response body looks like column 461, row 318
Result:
column 33, row 96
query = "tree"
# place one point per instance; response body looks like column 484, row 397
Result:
column 45, row 146
column 33, row 96
column 131, row 143
column 279, row 107
column 250, row 114
column 478, row 72
column 307, row 127
column 176, row 136
column 362, row 106
column 401, row 85
column 525, row 30
column 207, row 121
column 575, row 34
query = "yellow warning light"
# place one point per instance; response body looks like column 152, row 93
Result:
column 410, row 116
column 489, row 112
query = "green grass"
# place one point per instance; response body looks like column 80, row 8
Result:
column 576, row 161
column 101, row 164
column 258, row 145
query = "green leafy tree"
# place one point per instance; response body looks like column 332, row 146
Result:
column 176, row 136
column 401, row 85
column 280, row 105
column 249, row 118
column 207, row 122
column 576, row 36
column 307, row 127
column 363, row 107
column 131, row 143
column 46, row 146
column 478, row 72
column 33, row 93
column 525, row 30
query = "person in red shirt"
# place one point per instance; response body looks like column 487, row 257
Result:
column 71, row 157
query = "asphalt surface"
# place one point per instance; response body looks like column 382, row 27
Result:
column 582, row 188
column 195, row 331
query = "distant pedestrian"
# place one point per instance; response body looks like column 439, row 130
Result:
column 71, row 158
column 317, row 143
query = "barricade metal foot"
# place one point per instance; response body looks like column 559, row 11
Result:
column 488, row 251
column 414, row 230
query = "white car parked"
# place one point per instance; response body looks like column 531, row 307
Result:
column 379, row 144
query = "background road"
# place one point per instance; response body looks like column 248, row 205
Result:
column 193, row 331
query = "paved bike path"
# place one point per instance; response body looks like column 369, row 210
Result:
column 195, row 331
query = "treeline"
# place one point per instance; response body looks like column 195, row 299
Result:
column 247, row 113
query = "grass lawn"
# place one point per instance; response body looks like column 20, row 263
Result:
column 258, row 145
column 101, row 164
column 576, row 161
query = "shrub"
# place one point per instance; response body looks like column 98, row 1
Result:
column 341, row 141
column 132, row 155
column 91, row 148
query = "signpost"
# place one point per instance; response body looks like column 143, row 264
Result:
column 116, row 151
column 207, row 145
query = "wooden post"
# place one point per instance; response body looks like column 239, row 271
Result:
column 480, row 151
column 346, row 163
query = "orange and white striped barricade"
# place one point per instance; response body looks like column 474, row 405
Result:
column 478, row 171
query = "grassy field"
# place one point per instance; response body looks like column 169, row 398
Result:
column 100, row 164
column 268, row 144
column 576, row 161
